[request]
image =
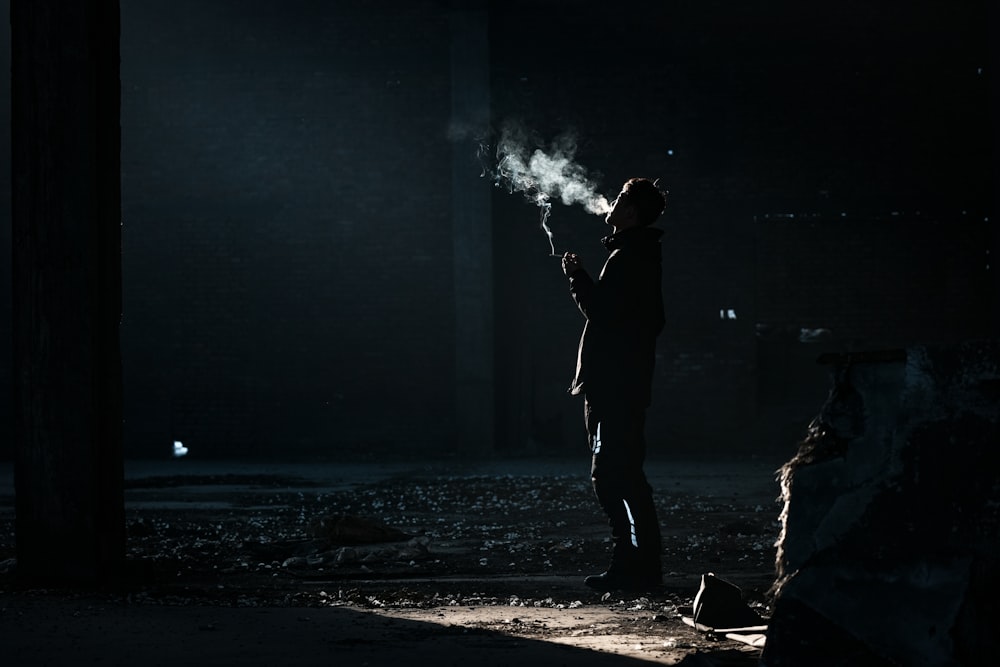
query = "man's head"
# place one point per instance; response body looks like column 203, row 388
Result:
column 639, row 204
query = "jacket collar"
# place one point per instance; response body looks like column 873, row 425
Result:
column 631, row 236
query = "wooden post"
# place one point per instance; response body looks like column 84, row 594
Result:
column 66, row 240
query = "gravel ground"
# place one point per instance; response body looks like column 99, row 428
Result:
column 497, row 550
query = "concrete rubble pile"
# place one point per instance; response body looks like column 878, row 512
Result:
column 891, row 519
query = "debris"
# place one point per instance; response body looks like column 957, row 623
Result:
column 348, row 529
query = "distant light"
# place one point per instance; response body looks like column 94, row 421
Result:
column 727, row 314
column 814, row 335
column 670, row 151
column 179, row 449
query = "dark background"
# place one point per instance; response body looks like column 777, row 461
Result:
column 289, row 283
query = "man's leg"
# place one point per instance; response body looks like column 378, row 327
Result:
column 621, row 487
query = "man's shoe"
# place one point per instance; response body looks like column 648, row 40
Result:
column 615, row 581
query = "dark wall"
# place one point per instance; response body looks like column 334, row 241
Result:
column 287, row 232
column 875, row 283
column 286, row 191
column 750, row 112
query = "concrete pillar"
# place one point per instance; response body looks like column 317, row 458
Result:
column 66, row 257
column 472, row 235
column 994, row 83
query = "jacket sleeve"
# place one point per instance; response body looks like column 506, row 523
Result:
column 607, row 298
column 628, row 290
column 581, row 288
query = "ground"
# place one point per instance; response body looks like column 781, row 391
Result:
column 290, row 564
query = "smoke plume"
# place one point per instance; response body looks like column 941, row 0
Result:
column 522, row 165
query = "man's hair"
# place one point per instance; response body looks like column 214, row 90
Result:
column 647, row 199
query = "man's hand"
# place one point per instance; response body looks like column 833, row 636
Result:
column 570, row 263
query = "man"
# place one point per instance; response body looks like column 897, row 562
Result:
column 614, row 372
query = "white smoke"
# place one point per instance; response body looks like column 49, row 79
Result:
column 543, row 175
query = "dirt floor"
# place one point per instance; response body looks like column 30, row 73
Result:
column 382, row 564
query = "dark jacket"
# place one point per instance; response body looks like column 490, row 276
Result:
column 624, row 311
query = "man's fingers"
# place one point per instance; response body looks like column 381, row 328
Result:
column 570, row 263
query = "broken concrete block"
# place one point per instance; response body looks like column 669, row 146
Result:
column 891, row 521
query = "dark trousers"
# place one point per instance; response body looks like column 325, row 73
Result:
column 618, row 445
